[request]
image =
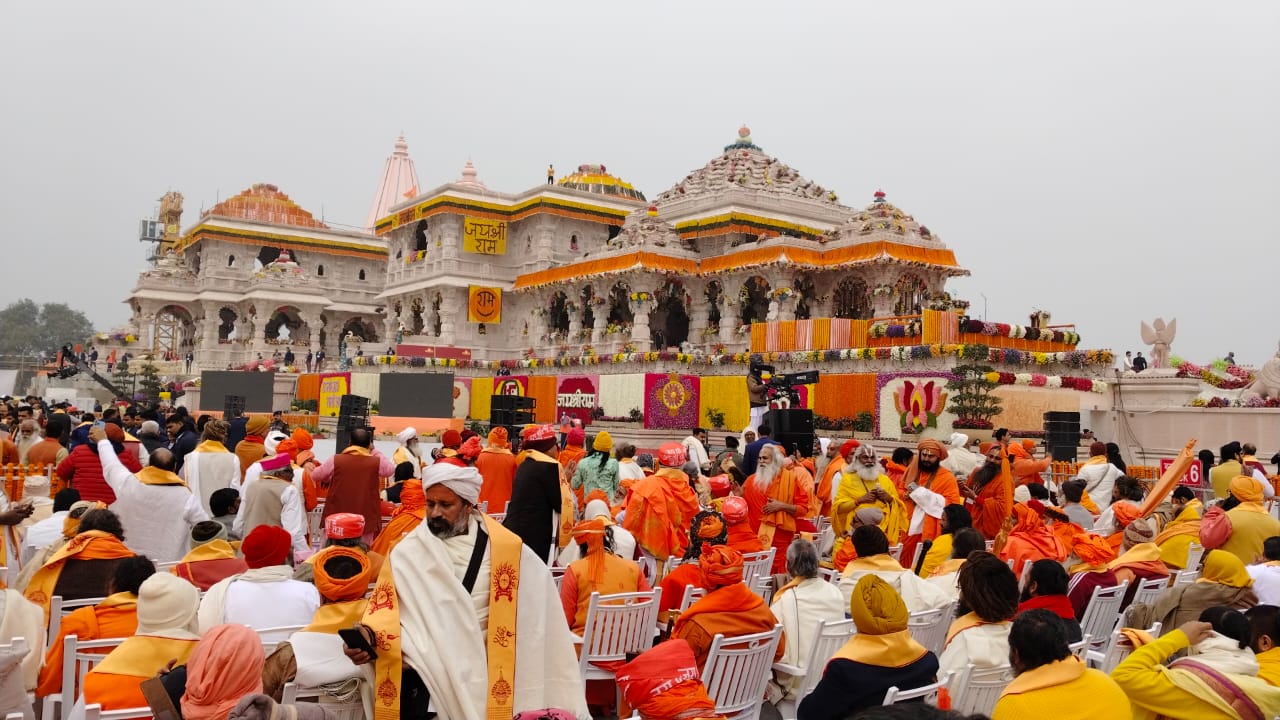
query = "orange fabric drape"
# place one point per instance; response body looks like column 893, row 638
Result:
column 821, row 334
column 542, row 388
column 845, row 395
column 308, row 387
column 787, row 336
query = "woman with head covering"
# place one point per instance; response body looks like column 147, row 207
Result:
column 1047, row 590
column 1030, row 540
column 881, row 655
column 1251, row 524
column 1223, row 581
column 167, row 631
column 597, row 471
column 1218, row 679
column 598, row 571
column 729, row 608
column 497, row 465
column 225, row 666
column 988, row 602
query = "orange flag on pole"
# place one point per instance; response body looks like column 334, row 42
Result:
column 1169, row 480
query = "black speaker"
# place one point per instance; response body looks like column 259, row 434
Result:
column 353, row 413
column 1063, row 453
column 792, row 428
column 232, row 407
column 499, row 403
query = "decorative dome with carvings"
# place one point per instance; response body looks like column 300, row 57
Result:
column 596, row 179
column 469, row 178
column 744, row 165
column 882, row 220
column 264, row 202
column 644, row 228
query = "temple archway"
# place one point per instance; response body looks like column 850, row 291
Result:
column 912, row 293
column 851, row 301
column 588, row 298
column 284, row 325
column 227, row 324
column 174, row 330
column 558, row 314
column 363, row 331
column 620, row 305
column 416, row 311
column 669, row 319
column 714, row 294
column 754, row 295
column 805, row 297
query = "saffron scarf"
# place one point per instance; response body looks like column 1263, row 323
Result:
column 734, row 598
column 88, row 545
column 382, row 615
column 212, row 446
column 782, row 489
column 155, row 476
column 225, row 666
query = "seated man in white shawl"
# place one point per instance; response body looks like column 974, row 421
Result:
column 211, row 466
column 873, row 557
column 960, row 460
column 800, row 605
column 465, row 619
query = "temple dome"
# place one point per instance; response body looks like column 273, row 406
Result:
column 596, row 179
column 743, row 164
column 469, row 178
column 882, row 220
column 265, row 203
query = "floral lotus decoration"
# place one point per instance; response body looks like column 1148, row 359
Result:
column 919, row 404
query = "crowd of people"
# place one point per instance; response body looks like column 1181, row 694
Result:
column 193, row 538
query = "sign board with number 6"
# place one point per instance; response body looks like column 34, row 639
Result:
column 1193, row 476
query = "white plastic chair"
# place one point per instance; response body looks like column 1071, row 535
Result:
column 1195, row 552
column 831, row 575
column 272, row 637
column 692, row 594
column 341, row 710
column 1187, row 577
column 617, row 626
column 1101, row 616
column 557, row 574
column 762, row 585
column 737, row 672
column 648, row 568
column 1026, row 575
column 928, row 692
column 757, row 564
column 976, row 690
column 1149, row 590
column 1080, row 649
column 315, row 526
column 19, row 645
column 1115, row 652
column 896, row 552
column 59, row 608
column 929, row 627
column 77, row 661
column 167, row 566
column 830, row 637
column 95, row 712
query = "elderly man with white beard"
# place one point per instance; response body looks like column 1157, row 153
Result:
column 465, row 619
column 775, row 497
column 864, row 484
column 410, row 450
column 27, row 437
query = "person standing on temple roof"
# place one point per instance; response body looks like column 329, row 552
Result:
column 1139, row 363
column 551, row 174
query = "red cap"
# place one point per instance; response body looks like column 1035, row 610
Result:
column 451, row 439
column 720, row 486
column 671, row 454
column 734, row 509
column 267, row 545
column 849, row 446
column 344, row 526
column 541, row 432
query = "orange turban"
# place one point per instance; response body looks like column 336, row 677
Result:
column 1125, row 512
column 719, row 565
column 712, row 527
column 302, row 439
column 287, row 447
column 1028, row 519
column 1029, row 445
column 412, row 498
column 984, row 447
column 934, row 445
column 498, row 438
column 591, row 533
column 342, row 590
column 1246, row 489
column 598, row 494
column 846, row 449
column 1093, row 550
column 470, row 449
column 1018, row 451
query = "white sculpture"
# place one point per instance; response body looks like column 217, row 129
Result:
column 1267, row 383
column 1159, row 336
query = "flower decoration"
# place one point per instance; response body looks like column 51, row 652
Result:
column 919, row 404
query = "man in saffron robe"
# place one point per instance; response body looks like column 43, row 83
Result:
column 737, row 516
column 166, row 632
column 212, row 557
column 775, row 497
column 252, row 448
column 1030, row 540
column 1140, row 559
column 1026, row 469
column 1094, row 554
column 660, row 508
column 862, row 484
column 599, row 571
column 314, row 656
column 408, row 515
column 115, row 617
column 929, row 488
column 498, row 468
column 211, row 467
column 829, row 478
column 1176, row 538
column 353, row 481
column 82, row 568
column 708, row 528
column 989, row 493
column 462, row 581
column 729, row 608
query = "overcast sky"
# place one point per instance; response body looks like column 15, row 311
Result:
column 1108, row 161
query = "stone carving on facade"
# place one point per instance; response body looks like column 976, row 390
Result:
column 744, row 165
column 1159, row 336
column 1266, row 385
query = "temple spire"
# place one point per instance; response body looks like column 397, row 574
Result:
column 399, row 183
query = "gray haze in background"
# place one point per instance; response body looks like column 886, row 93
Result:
column 1109, row 162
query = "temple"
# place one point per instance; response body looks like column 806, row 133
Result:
column 587, row 274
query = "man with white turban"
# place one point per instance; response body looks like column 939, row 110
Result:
column 961, row 461
column 409, row 450
column 465, row 618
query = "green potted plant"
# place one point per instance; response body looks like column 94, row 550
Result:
column 972, row 402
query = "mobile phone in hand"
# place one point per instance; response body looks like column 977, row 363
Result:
column 355, row 640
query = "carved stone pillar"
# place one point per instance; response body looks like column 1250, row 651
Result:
column 784, row 309
column 640, row 328
column 452, row 303
column 730, row 318
column 698, row 314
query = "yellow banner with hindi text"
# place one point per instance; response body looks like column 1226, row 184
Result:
column 484, row 237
